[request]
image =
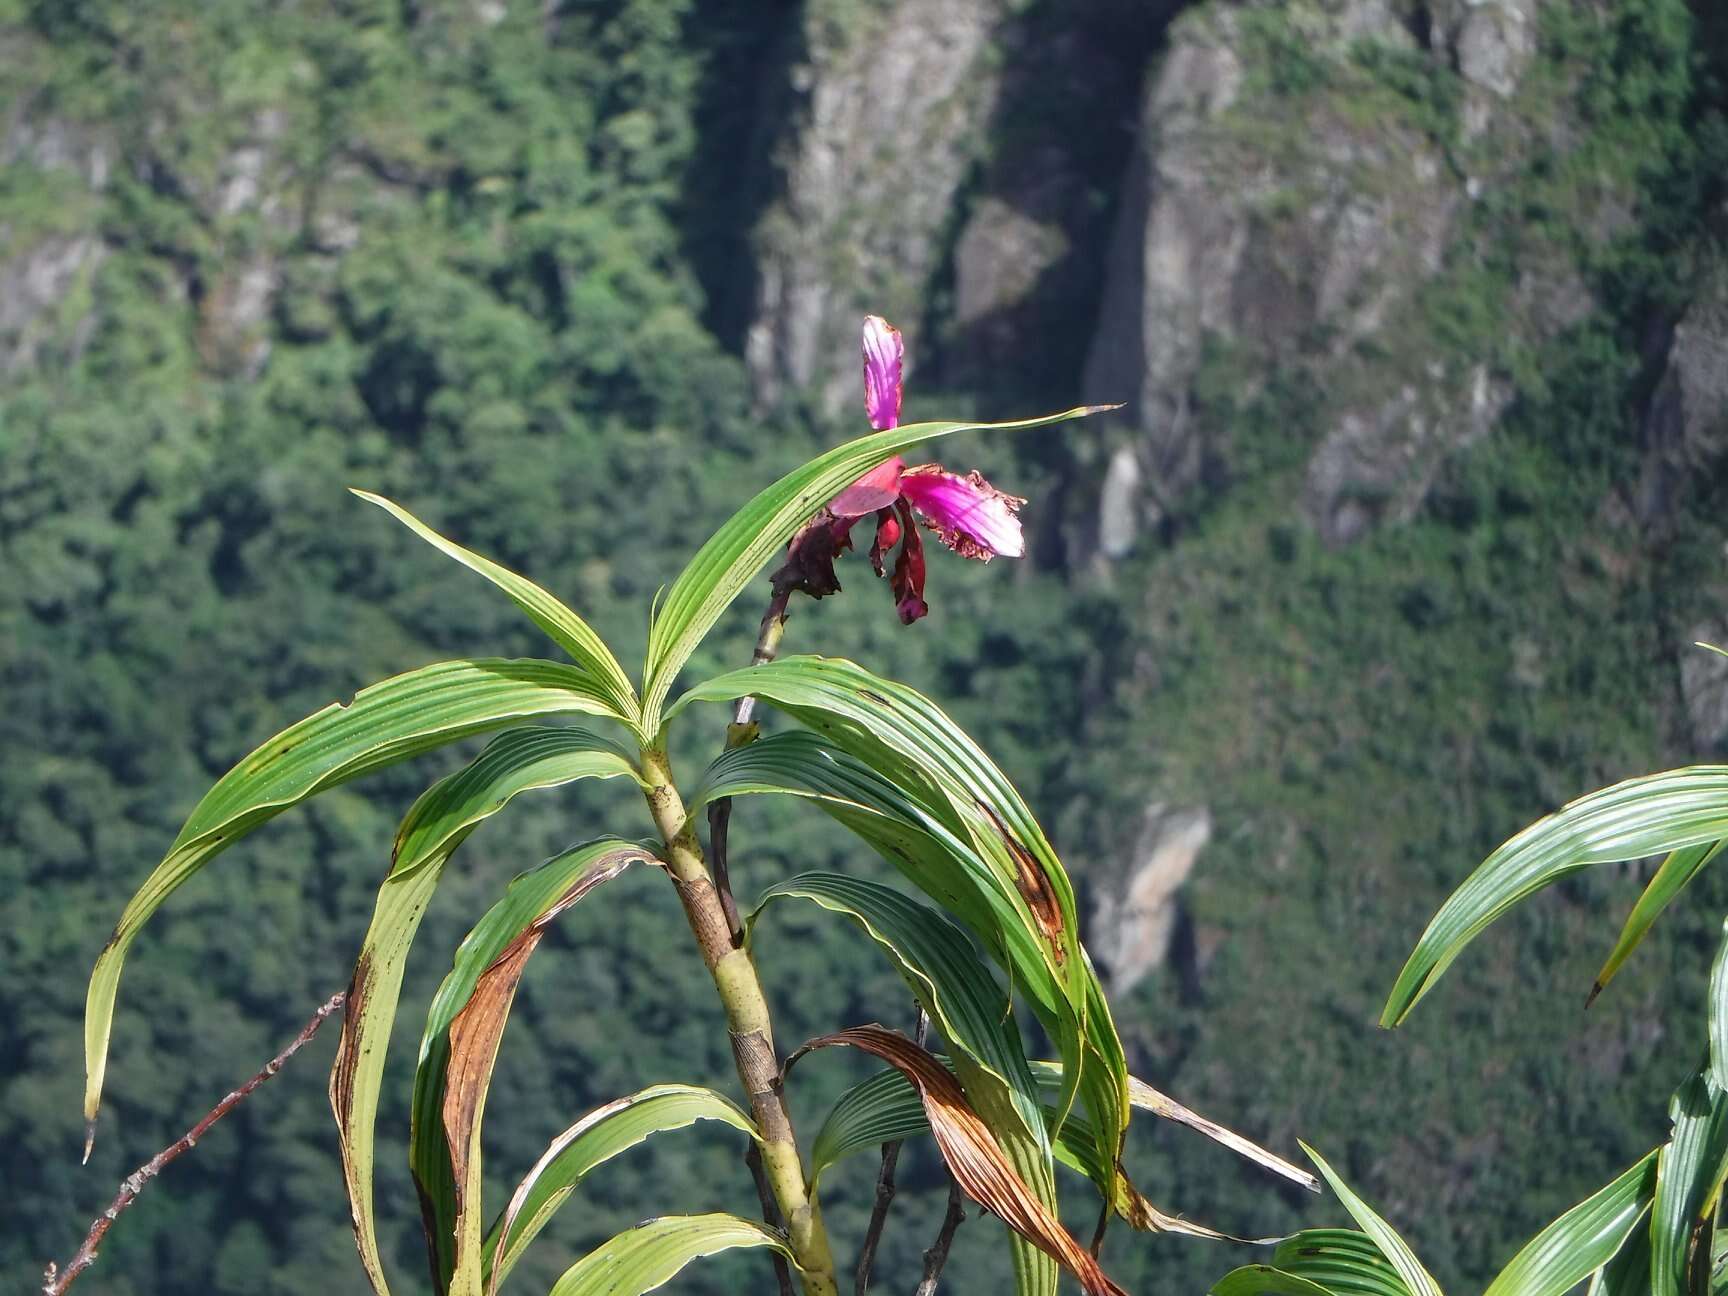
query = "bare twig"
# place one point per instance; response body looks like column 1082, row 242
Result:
column 1098, row 1233
column 884, row 1187
column 56, row 1280
column 740, row 733
column 770, row 1212
column 937, row 1255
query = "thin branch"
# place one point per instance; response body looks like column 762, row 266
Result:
column 770, row 1211
column 937, row 1255
column 1098, row 1233
column 884, row 1187
column 56, row 1280
column 738, row 734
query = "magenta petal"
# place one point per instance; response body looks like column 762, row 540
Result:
column 876, row 489
column 883, row 354
column 970, row 515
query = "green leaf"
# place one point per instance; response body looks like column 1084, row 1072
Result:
column 1628, row 1273
column 1719, row 1014
column 1582, row 1240
column 1686, row 1172
column 460, row 1045
column 1393, row 1247
column 569, row 631
column 1341, row 1261
column 959, row 794
column 975, row 1016
column 755, row 533
column 651, row 1254
column 434, row 827
column 968, row 1006
column 1670, row 880
column 598, row 1137
column 386, row 723
column 1643, row 816
column 1264, row 1280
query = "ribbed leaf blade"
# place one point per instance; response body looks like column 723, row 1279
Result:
column 439, row 821
column 1677, row 870
column 569, row 631
column 971, row 1151
column 973, row 1012
column 1341, row 1261
column 1639, row 817
column 599, row 1136
column 386, row 723
column 1393, row 1247
column 1685, row 1174
column 1264, row 1280
column 460, row 1046
column 755, row 533
column 906, row 738
column 1582, row 1240
column 651, row 1254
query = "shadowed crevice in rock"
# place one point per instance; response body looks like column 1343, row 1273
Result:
column 746, row 92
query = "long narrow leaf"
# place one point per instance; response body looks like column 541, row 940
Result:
column 386, row 723
column 967, row 1005
column 434, row 827
column 1643, row 816
column 1669, row 881
column 569, row 631
column 755, row 533
column 1393, row 1247
column 460, row 1046
column 599, row 1136
column 904, row 736
column 1628, row 1273
column 1340, row 1261
column 1582, row 1240
column 651, row 1254
column 1684, row 1175
column 972, row 1153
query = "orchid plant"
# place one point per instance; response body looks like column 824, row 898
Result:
column 988, row 925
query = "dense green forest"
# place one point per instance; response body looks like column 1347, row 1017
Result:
column 497, row 261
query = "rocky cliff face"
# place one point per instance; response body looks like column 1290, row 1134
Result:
column 1347, row 212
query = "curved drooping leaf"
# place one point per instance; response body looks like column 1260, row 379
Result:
column 383, row 724
column 755, row 533
column 1341, row 1261
column 651, row 1254
column 909, row 741
column 598, row 1137
column 460, row 1045
column 1685, row 1174
column 886, row 1107
column 1264, row 1280
column 1642, row 816
column 1670, row 880
column 439, row 821
column 1393, row 1247
column 971, row 1152
column 569, row 631
column 973, row 1013
column 1582, row 1240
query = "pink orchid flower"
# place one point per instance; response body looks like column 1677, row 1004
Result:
column 967, row 514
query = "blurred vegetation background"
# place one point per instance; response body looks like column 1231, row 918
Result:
column 1421, row 315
